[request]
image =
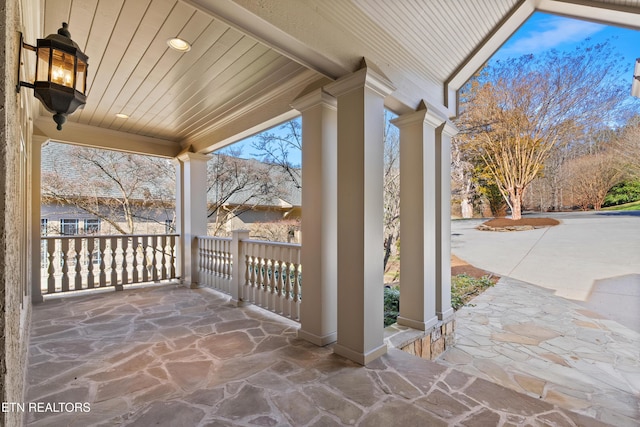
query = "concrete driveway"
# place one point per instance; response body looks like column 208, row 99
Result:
column 592, row 258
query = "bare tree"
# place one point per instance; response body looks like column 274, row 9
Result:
column 238, row 185
column 121, row 189
column 276, row 148
column 391, row 190
column 514, row 113
column 591, row 176
column 463, row 185
column 628, row 147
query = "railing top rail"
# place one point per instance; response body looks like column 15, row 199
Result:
column 106, row 236
column 277, row 244
column 214, row 238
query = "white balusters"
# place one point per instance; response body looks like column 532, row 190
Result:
column 86, row 262
column 272, row 276
column 65, row 265
column 90, row 258
column 214, row 260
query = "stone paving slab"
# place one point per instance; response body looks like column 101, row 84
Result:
column 525, row 338
column 172, row 356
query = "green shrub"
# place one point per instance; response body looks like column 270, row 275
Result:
column 463, row 289
column 625, row 192
column 391, row 305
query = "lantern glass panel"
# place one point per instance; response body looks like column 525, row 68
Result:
column 43, row 64
column 62, row 68
column 81, row 76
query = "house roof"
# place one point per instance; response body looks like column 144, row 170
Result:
column 250, row 59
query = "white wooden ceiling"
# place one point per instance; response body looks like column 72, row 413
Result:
column 249, row 59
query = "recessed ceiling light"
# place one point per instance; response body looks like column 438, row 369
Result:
column 179, row 44
column 122, row 116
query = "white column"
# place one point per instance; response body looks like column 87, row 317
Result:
column 179, row 223
column 318, row 312
column 420, row 217
column 444, row 133
column 36, row 217
column 360, row 211
column 193, row 198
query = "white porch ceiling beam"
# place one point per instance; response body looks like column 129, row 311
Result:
column 96, row 137
column 243, row 20
column 510, row 24
column 245, row 119
column 409, row 93
column 606, row 13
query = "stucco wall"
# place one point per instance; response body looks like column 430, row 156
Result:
column 14, row 303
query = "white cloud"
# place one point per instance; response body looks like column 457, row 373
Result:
column 547, row 33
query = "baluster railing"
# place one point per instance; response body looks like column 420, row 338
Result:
column 77, row 263
column 214, row 262
column 269, row 275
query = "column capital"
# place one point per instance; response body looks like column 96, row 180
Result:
column 368, row 76
column 425, row 113
column 314, row 98
column 449, row 129
column 188, row 157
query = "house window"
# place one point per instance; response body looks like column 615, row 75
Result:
column 44, row 225
column 168, row 227
column 96, row 258
column 44, row 255
column 68, row 227
column 91, row 226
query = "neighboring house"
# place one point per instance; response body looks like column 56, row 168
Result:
column 271, row 211
column 88, row 191
column 75, row 200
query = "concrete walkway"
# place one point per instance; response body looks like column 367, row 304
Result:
column 586, row 249
column 581, row 354
column 172, row 356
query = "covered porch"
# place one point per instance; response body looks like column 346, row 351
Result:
column 143, row 356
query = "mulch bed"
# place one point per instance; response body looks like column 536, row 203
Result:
column 523, row 224
column 534, row 222
column 459, row 266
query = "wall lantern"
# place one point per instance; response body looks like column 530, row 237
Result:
column 635, row 86
column 61, row 74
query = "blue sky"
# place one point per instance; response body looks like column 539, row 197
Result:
column 542, row 32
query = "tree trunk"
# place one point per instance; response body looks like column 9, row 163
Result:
column 516, row 204
column 387, row 251
column 466, row 207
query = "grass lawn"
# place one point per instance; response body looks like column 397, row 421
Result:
column 633, row 206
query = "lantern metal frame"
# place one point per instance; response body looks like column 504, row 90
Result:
column 61, row 74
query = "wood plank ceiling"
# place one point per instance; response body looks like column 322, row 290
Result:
column 235, row 78
column 166, row 94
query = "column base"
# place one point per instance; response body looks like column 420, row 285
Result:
column 416, row 324
column 446, row 315
column 361, row 358
column 194, row 286
column 318, row 340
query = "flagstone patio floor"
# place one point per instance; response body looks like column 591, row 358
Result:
column 172, row 356
column 523, row 337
